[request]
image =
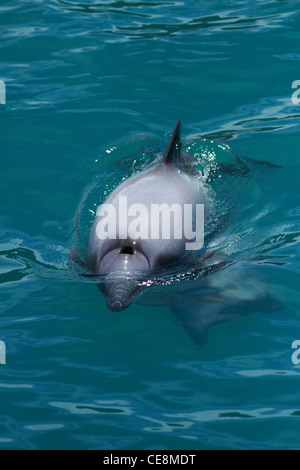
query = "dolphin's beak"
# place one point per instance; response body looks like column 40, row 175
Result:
column 120, row 291
column 123, row 271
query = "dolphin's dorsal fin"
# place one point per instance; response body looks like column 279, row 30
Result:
column 174, row 146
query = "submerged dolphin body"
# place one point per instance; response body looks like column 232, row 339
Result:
column 235, row 292
column 125, row 261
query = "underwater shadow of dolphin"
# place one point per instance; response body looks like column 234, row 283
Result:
column 227, row 294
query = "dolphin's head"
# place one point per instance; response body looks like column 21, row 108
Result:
column 122, row 268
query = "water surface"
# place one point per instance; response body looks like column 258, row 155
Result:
column 88, row 84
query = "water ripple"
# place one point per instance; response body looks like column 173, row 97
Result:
column 86, row 79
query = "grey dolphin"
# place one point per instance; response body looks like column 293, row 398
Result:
column 124, row 260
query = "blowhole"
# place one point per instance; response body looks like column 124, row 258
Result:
column 127, row 250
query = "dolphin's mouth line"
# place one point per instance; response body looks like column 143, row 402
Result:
column 116, row 306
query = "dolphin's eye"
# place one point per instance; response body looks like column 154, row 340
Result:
column 127, row 250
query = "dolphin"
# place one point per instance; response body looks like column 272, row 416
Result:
column 124, row 261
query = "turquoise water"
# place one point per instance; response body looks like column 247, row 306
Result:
column 89, row 84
